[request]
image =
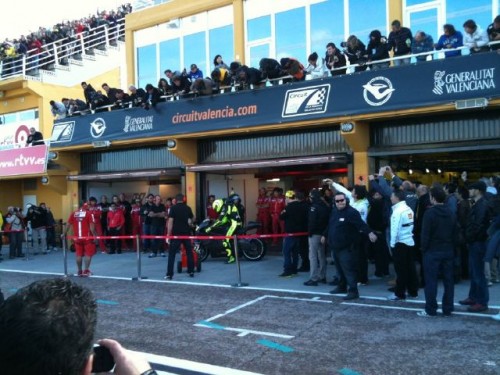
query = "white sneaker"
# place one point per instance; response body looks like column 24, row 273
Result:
column 424, row 314
column 496, row 317
column 394, row 297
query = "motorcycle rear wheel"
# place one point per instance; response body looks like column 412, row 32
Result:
column 255, row 250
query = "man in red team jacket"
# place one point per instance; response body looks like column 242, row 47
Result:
column 82, row 221
column 116, row 221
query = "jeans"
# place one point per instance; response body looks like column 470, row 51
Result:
column 317, row 258
column 39, row 233
column 157, row 230
column 146, row 230
column 291, row 254
column 478, row 291
column 172, row 251
column 433, row 262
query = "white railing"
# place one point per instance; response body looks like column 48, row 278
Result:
column 59, row 53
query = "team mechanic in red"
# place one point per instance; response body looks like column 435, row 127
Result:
column 97, row 212
column 263, row 212
column 83, row 223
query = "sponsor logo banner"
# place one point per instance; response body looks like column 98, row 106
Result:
column 62, row 132
column 306, row 101
column 464, row 81
column 23, row 161
column 16, row 134
column 393, row 89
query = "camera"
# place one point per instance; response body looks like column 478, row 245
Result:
column 343, row 44
column 103, row 360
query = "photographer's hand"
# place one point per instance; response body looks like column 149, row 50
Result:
column 127, row 362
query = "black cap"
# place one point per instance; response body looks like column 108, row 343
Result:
column 479, row 185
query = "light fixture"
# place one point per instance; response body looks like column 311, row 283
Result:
column 439, row 170
column 171, row 143
column 471, row 103
column 52, row 155
column 100, row 144
column 45, row 180
column 410, row 171
column 347, row 127
column 273, row 180
column 427, row 170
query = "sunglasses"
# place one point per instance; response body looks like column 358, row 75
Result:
column 339, row 200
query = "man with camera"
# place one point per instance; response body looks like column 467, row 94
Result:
column 14, row 224
column 48, row 328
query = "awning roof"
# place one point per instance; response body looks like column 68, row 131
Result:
column 267, row 163
column 172, row 172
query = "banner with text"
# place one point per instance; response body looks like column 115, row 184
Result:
column 399, row 88
column 23, row 161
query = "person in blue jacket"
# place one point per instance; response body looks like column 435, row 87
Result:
column 450, row 40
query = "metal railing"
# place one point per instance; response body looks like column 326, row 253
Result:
column 59, row 54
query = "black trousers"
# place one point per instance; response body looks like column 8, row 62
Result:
column 406, row 271
column 175, row 246
column 346, row 260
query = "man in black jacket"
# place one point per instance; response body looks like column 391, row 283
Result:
column 439, row 231
column 180, row 219
column 38, row 218
column 476, row 235
column 295, row 217
column 319, row 213
column 400, row 39
column 344, row 227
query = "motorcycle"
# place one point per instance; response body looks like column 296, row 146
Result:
column 251, row 248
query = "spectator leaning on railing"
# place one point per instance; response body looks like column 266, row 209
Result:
column 422, row 43
column 475, row 38
column 494, row 33
column 451, row 39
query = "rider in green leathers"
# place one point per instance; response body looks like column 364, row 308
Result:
column 229, row 216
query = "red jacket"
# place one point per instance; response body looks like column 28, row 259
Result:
column 116, row 219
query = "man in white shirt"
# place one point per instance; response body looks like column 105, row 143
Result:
column 403, row 251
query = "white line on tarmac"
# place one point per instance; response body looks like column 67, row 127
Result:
column 242, row 332
column 183, row 364
column 412, row 309
column 374, row 298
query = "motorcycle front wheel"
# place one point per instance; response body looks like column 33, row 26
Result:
column 254, row 250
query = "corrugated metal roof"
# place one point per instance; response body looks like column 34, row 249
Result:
column 129, row 160
column 459, row 127
column 269, row 146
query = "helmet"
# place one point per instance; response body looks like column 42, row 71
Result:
column 290, row 194
column 234, row 198
column 217, row 205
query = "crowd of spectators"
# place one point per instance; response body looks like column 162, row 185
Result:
column 451, row 231
column 38, row 45
column 40, row 223
column 352, row 54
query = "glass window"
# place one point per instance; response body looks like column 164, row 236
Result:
column 257, row 53
column 194, row 52
column 360, row 25
column 457, row 12
column 416, row 2
column 146, row 65
column 170, row 53
column 291, row 34
column 327, row 25
column 31, row 114
column 426, row 21
column 221, row 42
column 259, row 28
